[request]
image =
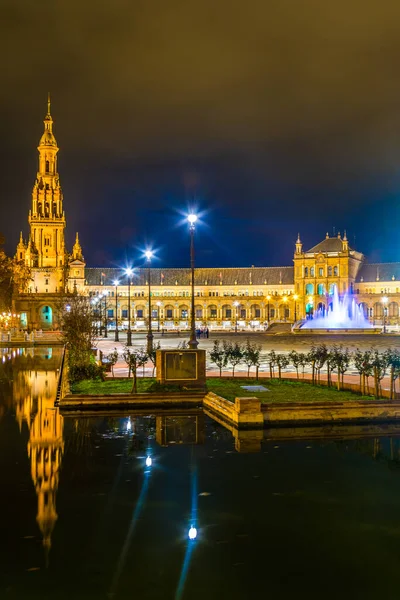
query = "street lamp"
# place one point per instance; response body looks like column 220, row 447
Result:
column 129, row 273
column 284, row 299
column 149, row 255
column 116, row 283
column 158, row 315
column 236, row 304
column 384, row 302
column 295, row 297
column 193, row 343
column 105, row 314
column 268, row 299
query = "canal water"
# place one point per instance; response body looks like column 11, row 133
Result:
column 101, row 506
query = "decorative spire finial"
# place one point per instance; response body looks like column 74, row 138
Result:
column 298, row 239
column 345, row 236
column 48, row 104
column 327, row 236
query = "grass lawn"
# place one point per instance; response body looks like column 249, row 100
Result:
column 279, row 391
column 120, row 386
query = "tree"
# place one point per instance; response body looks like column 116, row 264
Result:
column 5, row 281
column 341, row 358
column 393, row 359
column 234, row 352
column 321, row 356
column 219, row 356
column 282, row 360
column 271, row 357
column 251, row 356
column 77, row 328
column 153, row 355
column 363, row 364
column 134, row 358
column 295, row 359
column 113, row 359
column 78, row 337
column 380, row 364
column 14, row 276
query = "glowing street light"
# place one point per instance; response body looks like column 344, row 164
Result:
column 236, row 304
column 149, row 461
column 192, row 533
column 384, row 302
column 149, row 255
column 129, row 273
column 193, row 343
column 116, row 283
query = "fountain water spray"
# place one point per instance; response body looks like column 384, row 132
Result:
column 342, row 313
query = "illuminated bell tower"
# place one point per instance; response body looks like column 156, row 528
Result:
column 47, row 217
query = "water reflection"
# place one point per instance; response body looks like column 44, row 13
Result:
column 34, row 385
column 203, row 476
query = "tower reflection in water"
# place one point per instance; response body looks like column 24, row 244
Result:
column 34, row 391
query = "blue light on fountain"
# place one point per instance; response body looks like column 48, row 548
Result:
column 343, row 313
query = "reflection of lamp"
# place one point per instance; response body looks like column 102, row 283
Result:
column 384, row 302
column 149, row 461
column 192, row 533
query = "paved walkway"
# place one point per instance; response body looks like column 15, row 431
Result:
column 283, row 344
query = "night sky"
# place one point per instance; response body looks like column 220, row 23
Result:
column 276, row 116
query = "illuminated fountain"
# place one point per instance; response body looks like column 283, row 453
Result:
column 343, row 316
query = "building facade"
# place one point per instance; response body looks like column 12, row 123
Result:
column 227, row 298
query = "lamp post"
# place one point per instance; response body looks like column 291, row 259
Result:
column 116, row 283
column 193, row 343
column 105, row 314
column 128, row 273
column 295, row 297
column 268, row 299
column 384, row 302
column 100, row 312
column 284, row 299
column 149, row 254
column 236, row 304
column 158, row 315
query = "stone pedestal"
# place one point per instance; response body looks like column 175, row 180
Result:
column 186, row 368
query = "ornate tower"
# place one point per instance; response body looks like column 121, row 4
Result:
column 47, row 217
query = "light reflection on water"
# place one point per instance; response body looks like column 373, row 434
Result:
column 80, row 496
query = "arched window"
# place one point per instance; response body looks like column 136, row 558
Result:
column 312, row 271
column 306, row 272
column 329, row 271
column 335, row 271
column 321, row 289
column 393, row 309
column 47, row 166
column 309, row 289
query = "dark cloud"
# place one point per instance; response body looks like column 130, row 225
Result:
column 279, row 116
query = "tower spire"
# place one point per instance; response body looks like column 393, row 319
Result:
column 48, row 105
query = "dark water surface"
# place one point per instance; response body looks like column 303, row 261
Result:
column 82, row 516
